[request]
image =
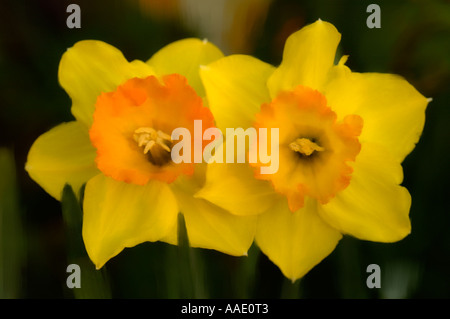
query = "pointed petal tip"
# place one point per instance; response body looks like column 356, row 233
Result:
column 98, row 264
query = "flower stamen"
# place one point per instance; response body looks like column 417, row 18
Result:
column 149, row 137
column 305, row 146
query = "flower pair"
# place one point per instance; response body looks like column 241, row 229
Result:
column 342, row 138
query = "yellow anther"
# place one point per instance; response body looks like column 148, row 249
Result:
column 148, row 146
column 149, row 137
column 305, row 146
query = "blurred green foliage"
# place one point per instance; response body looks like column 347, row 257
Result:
column 414, row 41
column 12, row 240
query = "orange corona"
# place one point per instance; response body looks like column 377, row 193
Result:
column 314, row 147
column 132, row 127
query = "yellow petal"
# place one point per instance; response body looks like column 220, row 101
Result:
column 211, row 227
column 62, row 155
column 234, row 188
column 92, row 67
column 236, row 88
column 185, row 57
column 392, row 109
column 295, row 242
column 373, row 207
column 308, row 55
column 119, row 215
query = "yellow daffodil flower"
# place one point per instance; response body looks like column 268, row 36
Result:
column 342, row 138
column 120, row 146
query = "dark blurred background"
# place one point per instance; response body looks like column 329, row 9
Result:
column 413, row 41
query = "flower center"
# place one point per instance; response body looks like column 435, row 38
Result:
column 149, row 137
column 314, row 147
column 305, row 146
column 132, row 124
column 155, row 144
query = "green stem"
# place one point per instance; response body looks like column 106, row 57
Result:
column 290, row 290
column 191, row 283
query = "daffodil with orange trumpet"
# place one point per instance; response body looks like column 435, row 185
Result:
column 342, row 138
